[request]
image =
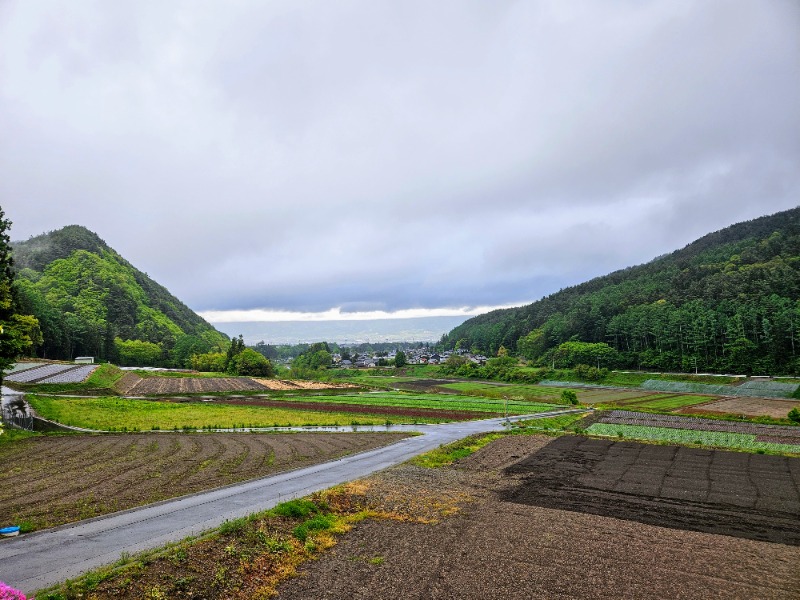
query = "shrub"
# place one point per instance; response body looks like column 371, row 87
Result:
column 588, row 373
column 9, row 593
column 569, row 397
column 794, row 415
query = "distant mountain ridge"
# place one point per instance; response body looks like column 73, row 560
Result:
column 91, row 301
column 726, row 302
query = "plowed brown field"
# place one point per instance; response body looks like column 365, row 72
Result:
column 54, row 480
column 522, row 549
column 751, row 407
column 134, row 385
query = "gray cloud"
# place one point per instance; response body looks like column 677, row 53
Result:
column 383, row 155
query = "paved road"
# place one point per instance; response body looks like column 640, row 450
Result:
column 38, row 560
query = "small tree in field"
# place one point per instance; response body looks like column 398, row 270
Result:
column 794, row 415
column 569, row 397
column 400, row 359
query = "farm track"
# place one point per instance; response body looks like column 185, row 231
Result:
column 55, row 480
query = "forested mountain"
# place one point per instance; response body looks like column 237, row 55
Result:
column 91, row 301
column 726, row 302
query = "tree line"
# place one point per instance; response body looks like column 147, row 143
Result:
column 726, row 303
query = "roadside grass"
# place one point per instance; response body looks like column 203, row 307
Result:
column 243, row 558
column 449, row 453
column 557, row 424
column 123, row 414
column 11, row 435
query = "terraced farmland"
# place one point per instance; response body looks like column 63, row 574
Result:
column 130, row 414
column 134, row 385
column 431, row 401
column 52, row 373
column 706, row 432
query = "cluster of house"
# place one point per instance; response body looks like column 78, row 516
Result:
column 414, row 356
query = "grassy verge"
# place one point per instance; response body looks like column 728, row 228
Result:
column 550, row 424
column 449, row 453
column 248, row 558
column 11, row 435
column 122, row 414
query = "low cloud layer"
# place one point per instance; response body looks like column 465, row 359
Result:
column 304, row 157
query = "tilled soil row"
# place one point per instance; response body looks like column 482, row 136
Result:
column 732, row 493
column 494, row 548
column 151, row 386
column 54, row 480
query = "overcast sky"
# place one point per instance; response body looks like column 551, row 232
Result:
column 340, row 156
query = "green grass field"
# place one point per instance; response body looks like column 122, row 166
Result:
column 641, row 400
column 122, row 414
column 428, row 401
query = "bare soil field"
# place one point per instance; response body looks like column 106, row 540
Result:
column 751, row 407
column 541, row 518
column 476, row 530
column 368, row 409
column 53, row 480
column 132, row 384
column 300, row 384
column 737, row 494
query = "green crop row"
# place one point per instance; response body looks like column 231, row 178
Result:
column 717, row 439
column 122, row 414
column 428, row 401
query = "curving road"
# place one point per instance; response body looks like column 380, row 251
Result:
column 39, row 560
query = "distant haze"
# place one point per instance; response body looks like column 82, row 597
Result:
column 426, row 329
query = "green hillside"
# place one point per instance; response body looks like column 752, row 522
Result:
column 727, row 303
column 91, row 301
